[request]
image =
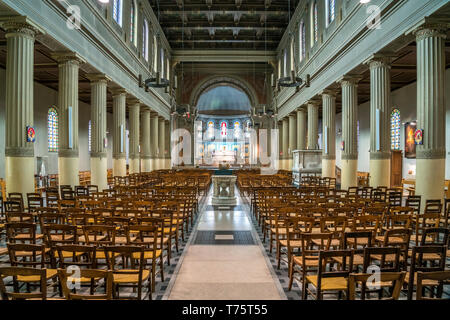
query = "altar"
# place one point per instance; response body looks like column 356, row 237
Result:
column 224, row 190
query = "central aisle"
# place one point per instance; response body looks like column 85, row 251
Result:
column 224, row 260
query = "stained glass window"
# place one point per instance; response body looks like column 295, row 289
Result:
column 145, row 40
column 395, row 129
column 117, row 11
column 237, row 129
column 210, row 129
column 223, row 129
column 302, row 41
column 133, row 22
column 90, row 136
column 52, row 125
column 331, row 10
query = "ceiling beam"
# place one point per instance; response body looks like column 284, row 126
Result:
column 204, row 23
column 226, row 12
column 262, row 29
column 223, row 56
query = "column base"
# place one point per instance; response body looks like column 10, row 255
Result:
column 20, row 175
column 119, row 167
column 348, row 174
column 380, row 173
column 146, row 165
column 430, row 179
column 134, row 165
column 328, row 168
column 99, row 173
column 168, row 163
column 68, row 169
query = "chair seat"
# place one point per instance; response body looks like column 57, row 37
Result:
column 69, row 254
column 333, row 243
column 425, row 282
column 427, row 256
column 309, row 262
column 388, row 257
column 3, row 251
column 121, row 276
column 391, row 239
column 361, row 241
column 91, row 238
column 358, row 260
column 329, row 284
column 29, row 253
column 50, row 273
column 147, row 254
column 124, row 240
column 24, row 236
column 100, row 254
column 280, row 230
column 293, row 243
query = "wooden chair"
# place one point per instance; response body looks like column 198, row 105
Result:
column 34, row 201
column 335, row 279
column 356, row 241
column 133, row 275
column 419, row 264
column 23, row 273
column 396, row 238
column 16, row 196
column 442, row 277
column 309, row 259
column 395, row 278
column 12, row 206
column 295, row 226
column 87, row 275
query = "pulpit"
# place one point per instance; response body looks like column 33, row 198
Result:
column 224, row 186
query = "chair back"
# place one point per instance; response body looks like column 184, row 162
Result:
column 22, row 273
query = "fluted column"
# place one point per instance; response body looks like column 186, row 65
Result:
column 68, row 160
column 329, row 134
column 19, row 153
column 280, row 144
column 292, row 137
column 380, row 108
column 119, row 131
column 145, row 141
column 161, row 142
column 349, row 156
column 301, row 129
column 430, row 170
column 99, row 165
column 134, row 122
column 154, row 141
column 313, row 125
column 286, row 143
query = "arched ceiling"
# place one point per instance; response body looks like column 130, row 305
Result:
column 224, row 99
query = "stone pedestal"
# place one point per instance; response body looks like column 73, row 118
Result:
column 224, row 190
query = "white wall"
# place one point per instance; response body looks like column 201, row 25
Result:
column 44, row 98
column 404, row 99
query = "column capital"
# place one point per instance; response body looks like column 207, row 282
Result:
column 119, row 92
column 20, row 25
column 329, row 92
column 145, row 109
column 380, row 60
column 313, row 102
column 98, row 77
column 67, row 56
column 301, row 109
column 348, row 80
column 431, row 30
column 134, row 101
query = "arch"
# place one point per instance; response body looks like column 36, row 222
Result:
column 155, row 54
column 314, row 23
column 302, row 41
column 52, row 129
column 214, row 81
column 145, row 40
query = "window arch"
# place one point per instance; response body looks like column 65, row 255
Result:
column 52, row 127
column 117, row 11
column 133, row 22
column 395, row 129
column 331, row 11
column 155, row 54
column 145, row 40
column 284, row 63
column 314, row 23
column 291, row 55
column 302, row 41
column 162, row 63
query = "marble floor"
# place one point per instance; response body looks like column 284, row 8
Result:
column 224, row 259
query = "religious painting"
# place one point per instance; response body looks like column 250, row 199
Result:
column 223, row 129
column 410, row 144
column 31, row 134
column 418, row 137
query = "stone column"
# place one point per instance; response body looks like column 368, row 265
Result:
column 119, row 131
column 145, row 141
column 349, row 156
column 154, row 141
column 161, row 142
column 68, row 160
column 292, row 138
column 313, row 125
column 329, row 134
column 280, row 144
column 380, row 133
column 134, row 110
column 167, row 157
column 430, row 171
column 19, row 153
column 99, row 165
column 286, row 143
column 301, row 129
